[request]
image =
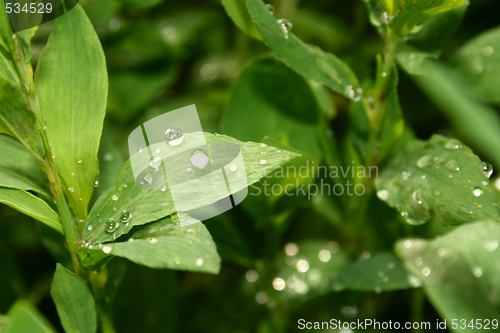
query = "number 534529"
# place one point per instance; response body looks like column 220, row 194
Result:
column 33, row 8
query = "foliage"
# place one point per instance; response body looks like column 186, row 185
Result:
column 363, row 131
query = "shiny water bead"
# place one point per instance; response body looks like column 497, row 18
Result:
column 199, row 158
column 155, row 162
column 125, row 216
column 110, row 225
column 174, row 136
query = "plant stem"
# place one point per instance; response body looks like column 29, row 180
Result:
column 98, row 281
column 48, row 164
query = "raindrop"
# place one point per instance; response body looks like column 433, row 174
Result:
column 107, row 249
column 148, row 178
column 155, row 162
column 263, row 145
column 491, row 246
column 407, row 243
column 154, row 241
column 125, row 216
column 477, row 271
column 291, row 249
column 477, row 192
column 278, row 284
column 114, row 197
column 140, row 150
column 261, row 297
column 302, row 266
column 425, row 161
column 384, row 74
column 71, row 189
column 110, row 225
column 199, row 158
column 177, row 262
column 97, row 182
column 174, row 136
column 158, row 150
column 453, row 144
column 413, row 281
column 426, row 271
column 441, row 252
column 188, row 169
column 251, row 276
column 199, row 262
column 233, row 167
column 366, row 255
column 466, row 211
column 263, row 162
column 383, row 195
column 452, row 165
column 324, row 255
column 270, row 8
column 164, row 188
column 487, row 169
column 125, row 185
column 354, row 95
column 80, row 161
column 418, row 261
column 89, row 228
column 286, row 26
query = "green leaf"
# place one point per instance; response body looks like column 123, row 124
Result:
column 30, row 205
column 458, row 269
column 73, row 103
column 16, row 120
column 476, row 122
column 238, row 12
column 24, row 317
column 479, row 61
column 74, row 302
column 380, row 272
column 165, row 244
column 147, row 205
column 255, row 110
column 5, row 29
column 309, row 61
column 415, row 13
column 441, row 176
column 19, row 169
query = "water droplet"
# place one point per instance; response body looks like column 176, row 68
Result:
column 488, row 51
column 158, row 150
column 324, row 255
column 125, row 216
column 286, row 26
column 270, row 8
column 453, row 144
column 174, row 136
column 263, row 145
column 465, row 211
column 491, row 246
column 164, row 188
column 89, row 228
column 177, row 262
column 125, row 185
column 155, row 162
column 407, row 243
column 485, row 183
column 384, row 74
column 107, row 249
column 263, row 162
column 487, row 169
column 452, row 165
column 153, row 241
column 199, row 262
column 233, row 167
column 110, row 225
column 261, row 297
column 366, row 255
column 80, row 161
column 383, row 195
column 291, row 249
column 477, row 192
column 140, row 149
column 278, row 284
column 354, row 95
column 199, row 158
column 418, row 261
column 148, row 178
column 425, row 161
column 441, row 252
column 97, row 182
column 71, row 189
column 477, row 271
column 251, row 276
column 413, row 281
column 302, row 266
column 426, row 271
column 114, row 197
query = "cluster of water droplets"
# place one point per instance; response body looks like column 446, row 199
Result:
column 286, row 25
column 355, row 94
column 477, row 58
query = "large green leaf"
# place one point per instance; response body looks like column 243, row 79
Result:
column 30, row 205
column 24, row 317
column 19, row 169
column 478, row 123
column 74, row 302
column 440, row 175
column 309, row 61
column 415, row 13
column 238, row 12
column 479, row 61
column 148, row 205
column 15, row 118
column 380, row 272
column 460, row 271
column 255, row 110
column 163, row 244
column 5, row 29
column 72, row 86
column 430, row 39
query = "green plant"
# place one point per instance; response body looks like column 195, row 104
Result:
column 425, row 223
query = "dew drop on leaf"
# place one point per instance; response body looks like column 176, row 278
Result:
column 140, row 150
column 286, row 26
column 477, row 192
column 199, row 158
column 452, row 165
column 491, row 245
column 199, row 262
column 107, row 249
column 270, row 8
column 263, row 162
column 233, row 167
column 477, row 271
column 114, row 197
column 174, row 136
column 425, row 161
column 97, row 182
column 251, row 276
column 148, row 178
column 383, row 195
column 487, row 169
column 324, row 255
column 110, row 225
column 155, row 162
column 426, row 271
column 302, row 266
column 453, row 144
column 125, row 216
column 278, row 284
column 152, row 240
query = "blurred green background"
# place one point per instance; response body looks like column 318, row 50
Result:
column 162, row 55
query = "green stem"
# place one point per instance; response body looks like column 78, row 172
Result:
column 98, row 281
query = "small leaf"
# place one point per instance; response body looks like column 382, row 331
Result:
column 479, row 61
column 73, row 103
column 30, row 205
column 309, row 61
column 147, row 205
column 441, row 176
column 24, row 317
column 16, row 120
column 19, row 169
column 238, row 12
column 458, row 269
column 164, row 244
column 414, row 13
column 380, row 272
column 255, row 110
column 74, row 302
